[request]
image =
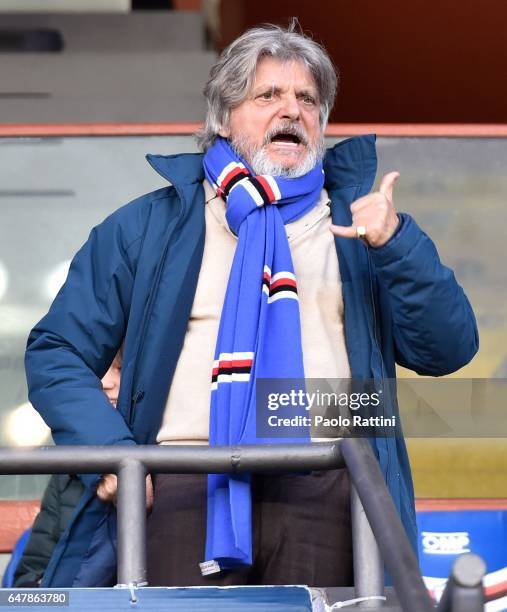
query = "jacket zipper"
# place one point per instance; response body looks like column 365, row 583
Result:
column 139, row 394
column 377, row 346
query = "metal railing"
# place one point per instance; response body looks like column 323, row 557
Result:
column 378, row 535
column 464, row 590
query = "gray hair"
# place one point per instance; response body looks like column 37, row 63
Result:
column 232, row 77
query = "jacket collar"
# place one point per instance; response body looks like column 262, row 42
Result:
column 350, row 162
column 181, row 169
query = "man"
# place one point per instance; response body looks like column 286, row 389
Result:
column 230, row 275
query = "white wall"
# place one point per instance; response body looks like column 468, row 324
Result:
column 64, row 6
column 4, row 559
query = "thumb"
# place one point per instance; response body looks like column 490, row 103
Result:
column 344, row 231
column 387, row 184
column 149, row 493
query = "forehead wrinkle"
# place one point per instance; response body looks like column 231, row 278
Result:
column 309, row 87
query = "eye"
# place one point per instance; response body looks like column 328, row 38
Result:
column 307, row 99
column 266, row 95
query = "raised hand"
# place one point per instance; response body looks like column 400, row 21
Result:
column 374, row 217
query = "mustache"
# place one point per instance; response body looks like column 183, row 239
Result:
column 292, row 129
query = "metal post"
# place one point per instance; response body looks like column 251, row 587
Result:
column 392, row 540
column 368, row 565
column 132, row 523
column 464, row 592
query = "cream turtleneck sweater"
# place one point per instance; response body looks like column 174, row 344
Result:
column 186, row 415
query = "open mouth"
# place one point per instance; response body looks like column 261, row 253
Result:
column 290, row 136
column 286, row 139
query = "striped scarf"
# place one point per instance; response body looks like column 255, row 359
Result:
column 259, row 334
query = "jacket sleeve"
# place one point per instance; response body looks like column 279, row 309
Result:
column 70, row 349
column 434, row 327
column 42, row 540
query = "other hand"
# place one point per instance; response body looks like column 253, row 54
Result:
column 107, row 489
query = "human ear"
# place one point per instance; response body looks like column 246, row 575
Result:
column 224, row 132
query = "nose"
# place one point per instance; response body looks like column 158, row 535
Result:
column 289, row 108
column 108, row 383
column 110, row 380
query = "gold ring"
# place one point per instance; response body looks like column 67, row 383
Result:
column 361, row 231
